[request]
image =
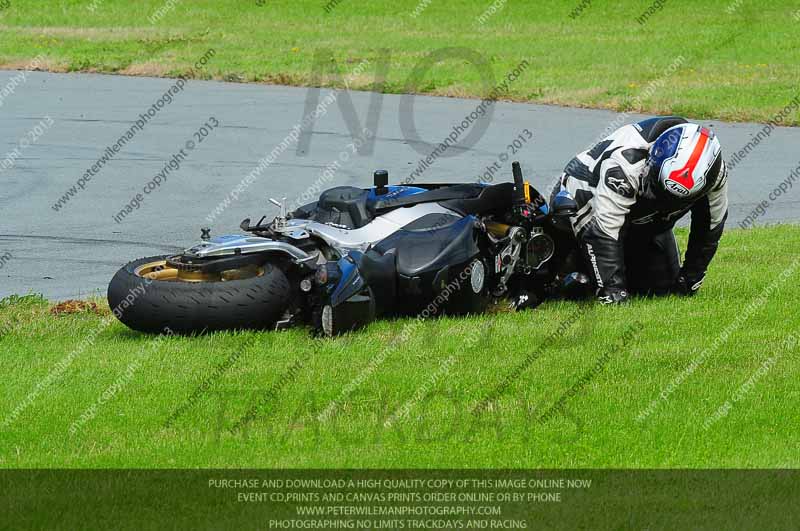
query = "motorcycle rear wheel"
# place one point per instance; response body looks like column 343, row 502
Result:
column 150, row 295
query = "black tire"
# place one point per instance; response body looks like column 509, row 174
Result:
column 189, row 307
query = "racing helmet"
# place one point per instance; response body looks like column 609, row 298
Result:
column 683, row 162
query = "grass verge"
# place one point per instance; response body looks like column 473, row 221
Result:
column 739, row 64
column 603, row 394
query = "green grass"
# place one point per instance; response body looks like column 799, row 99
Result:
column 292, row 378
column 740, row 65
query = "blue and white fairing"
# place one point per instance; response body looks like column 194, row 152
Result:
column 395, row 192
column 342, row 239
column 350, row 281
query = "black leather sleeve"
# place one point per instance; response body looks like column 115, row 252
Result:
column 703, row 240
column 604, row 256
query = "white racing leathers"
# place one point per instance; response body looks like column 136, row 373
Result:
column 617, row 222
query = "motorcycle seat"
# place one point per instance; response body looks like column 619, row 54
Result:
column 431, row 243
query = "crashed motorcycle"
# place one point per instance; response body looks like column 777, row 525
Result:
column 359, row 254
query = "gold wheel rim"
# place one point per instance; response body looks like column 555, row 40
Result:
column 161, row 271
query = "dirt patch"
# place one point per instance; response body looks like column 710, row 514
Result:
column 150, row 69
column 75, row 306
column 283, row 79
column 43, row 65
column 451, row 91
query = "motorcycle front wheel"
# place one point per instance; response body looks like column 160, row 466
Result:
column 152, row 294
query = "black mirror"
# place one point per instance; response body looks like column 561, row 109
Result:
column 380, row 179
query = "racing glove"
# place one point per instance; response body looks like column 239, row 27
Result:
column 687, row 286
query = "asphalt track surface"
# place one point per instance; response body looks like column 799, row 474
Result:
column 73, row 252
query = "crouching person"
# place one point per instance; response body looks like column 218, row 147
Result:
column 631, row 189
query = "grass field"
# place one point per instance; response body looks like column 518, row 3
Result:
column 732, row 60
column 591, row 398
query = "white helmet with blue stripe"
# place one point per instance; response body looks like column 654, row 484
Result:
column 683, row 162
